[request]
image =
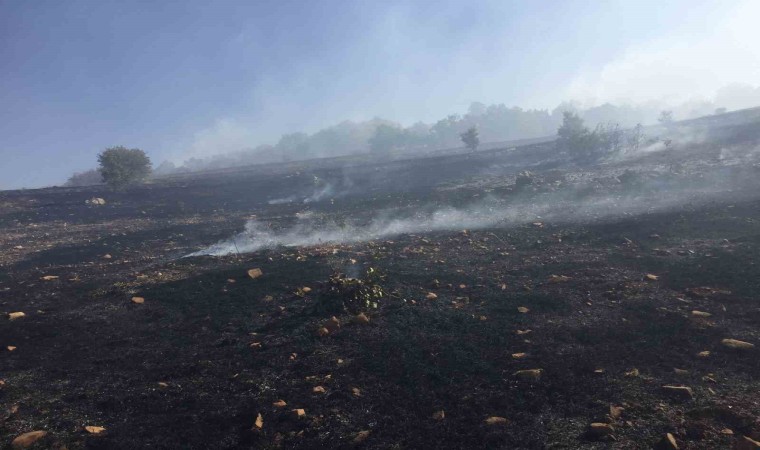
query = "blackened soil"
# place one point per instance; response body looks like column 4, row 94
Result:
column 210, row 348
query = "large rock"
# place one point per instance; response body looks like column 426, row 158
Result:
column 95, row 201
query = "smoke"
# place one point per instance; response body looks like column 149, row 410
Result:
column 573, row 205
column 321, row 190
column 689, row 62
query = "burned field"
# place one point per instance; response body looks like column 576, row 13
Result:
column 484, row 308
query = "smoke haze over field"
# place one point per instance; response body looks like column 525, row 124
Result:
column 587, row 201
column 196, row 79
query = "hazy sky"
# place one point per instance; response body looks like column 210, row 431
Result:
column 182, row 78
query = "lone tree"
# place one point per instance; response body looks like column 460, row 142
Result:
column 576, row 139
column 470, row 138
column 121, row 166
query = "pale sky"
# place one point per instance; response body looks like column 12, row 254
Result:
column 194, row 77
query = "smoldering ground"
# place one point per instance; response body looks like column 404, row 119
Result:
column 605, row 193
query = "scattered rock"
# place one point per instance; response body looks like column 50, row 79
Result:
column 279, row 404
column 522, row 309
column 599, row 430
column 92, row 429
column 680, row 392
column 651, row 277
column 107, row 256
column 95, row 201
column 439, row 415
column 322, row 331
column 529, row 374
column 332, row 325
column 16, row 315
column 361, row 436
column 704, row 354
column 259, row 423
column 356, row 391
column 616, row 411
column 361, row 319
column 668, row 442
column 558, row 279
column 49, row 277
column 318, row 390
column 519, row 355
column 680, row 371
column 431, row 296
column 298, row 413
column 633, row 373
column 737, row 345
column 255, row 273
column 138, row 300
column 26, row 440
column 496, row 420
column 696, row 313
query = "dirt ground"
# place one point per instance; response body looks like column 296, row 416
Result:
column 216, row 359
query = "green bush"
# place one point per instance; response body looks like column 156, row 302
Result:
column 574, row 138
column 342, row 293
column 121, row 166
column 470, row 138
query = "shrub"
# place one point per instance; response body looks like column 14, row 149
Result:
column 666, row 118
column 574, row 138
column 87, row 178
column 470, row 138
column 523, row 179
column 342, row 293
column 609, row 138
column 122, row 166
column 635, row 137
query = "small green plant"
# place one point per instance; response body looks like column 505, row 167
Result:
column 343, row 293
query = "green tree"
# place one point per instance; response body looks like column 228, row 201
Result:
column 294, row 145
column 470, row 138
column 386, row 138
column 576, row 139
column 121, row 166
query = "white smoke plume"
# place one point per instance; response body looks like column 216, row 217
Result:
column 567, row 207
